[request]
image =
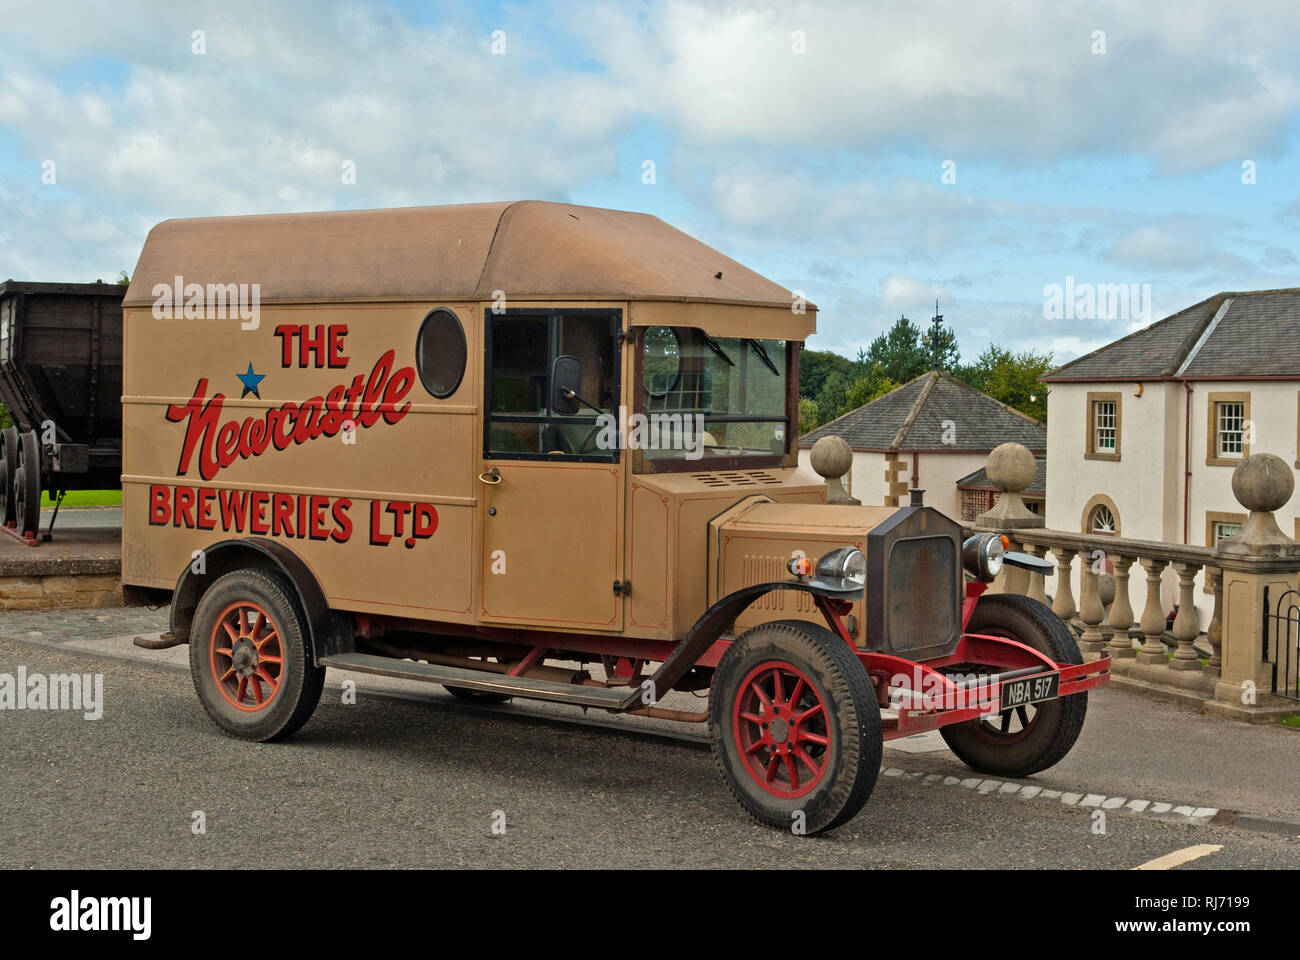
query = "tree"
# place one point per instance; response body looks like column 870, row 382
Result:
column 868, row 387
column 809, row 416
column 903, row 353
column 815, row 366
column 833, row 397
column 1012, row 378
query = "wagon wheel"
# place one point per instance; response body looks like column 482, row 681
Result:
column 27, row 484
column 7, row 511
column 8, row 465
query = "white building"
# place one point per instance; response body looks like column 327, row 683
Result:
column 1145, row 432
column 933, row 432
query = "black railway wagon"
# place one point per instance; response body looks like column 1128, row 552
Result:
column 61, row 381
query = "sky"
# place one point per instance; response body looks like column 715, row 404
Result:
column 873, row 156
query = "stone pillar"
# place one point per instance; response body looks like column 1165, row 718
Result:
column 1091, row 611
column 1214, row 632
column 1259, row 558
column 1186, row 628
column 1063, row 602
column 1036, row 589
column 1010, row 467
column 1121, row 610
column 831, row 458
column 1152, row 624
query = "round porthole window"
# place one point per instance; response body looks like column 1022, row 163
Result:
column 440, row 353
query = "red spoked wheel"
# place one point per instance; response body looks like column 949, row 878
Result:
column 247, row 656
column 795, row 726
column 1023, row 740
column 780, row 727
column 251, row 657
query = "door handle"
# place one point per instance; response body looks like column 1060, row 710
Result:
column 490, row 477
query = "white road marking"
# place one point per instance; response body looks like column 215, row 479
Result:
column 1179, row 857
column 986, row 787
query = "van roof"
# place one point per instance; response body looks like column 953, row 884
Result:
column 530, row 250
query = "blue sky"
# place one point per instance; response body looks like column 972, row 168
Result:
column 1112, row 157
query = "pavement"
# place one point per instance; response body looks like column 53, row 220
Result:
column 86, row 540
column 408, row 776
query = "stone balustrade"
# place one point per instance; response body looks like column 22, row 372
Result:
column 1239, row 676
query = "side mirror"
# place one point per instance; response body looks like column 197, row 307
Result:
column 566, row 381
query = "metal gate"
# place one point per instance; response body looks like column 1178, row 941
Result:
column 1282, row 642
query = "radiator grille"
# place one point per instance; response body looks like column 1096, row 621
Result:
column 922, row 576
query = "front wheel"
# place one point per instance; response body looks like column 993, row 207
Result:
column 250, row 657
column 1024, row 740
column 795, row 726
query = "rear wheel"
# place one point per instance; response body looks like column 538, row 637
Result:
column 8, row 512
column 1026, row 739
column 250, row 658
column 27, row 500
column 795, row 726
column 27, row 483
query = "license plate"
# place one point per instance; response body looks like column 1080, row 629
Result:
column 1017, row 693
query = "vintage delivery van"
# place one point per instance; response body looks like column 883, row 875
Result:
column 497, row 446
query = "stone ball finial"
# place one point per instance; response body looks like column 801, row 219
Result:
column 1263, row 483
column 1011, row 467
column 831, row 457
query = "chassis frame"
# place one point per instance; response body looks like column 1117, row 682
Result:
column 909, row 687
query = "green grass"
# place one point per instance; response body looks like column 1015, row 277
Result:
column 1293, row 720
column 86, row 498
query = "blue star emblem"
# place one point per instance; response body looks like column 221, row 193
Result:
column 250, row 381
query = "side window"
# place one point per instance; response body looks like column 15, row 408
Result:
column 522, row 349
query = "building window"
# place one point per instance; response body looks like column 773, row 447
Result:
column 1102, row 521
column 1229, row 429
column 1104, row 426
column 1221, row 526
column 1222, row 531
column 1228, row 437
column 1100, row 517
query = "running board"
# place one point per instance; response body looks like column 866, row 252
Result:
column 485, row 681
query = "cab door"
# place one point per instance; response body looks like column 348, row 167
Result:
column 551, row 485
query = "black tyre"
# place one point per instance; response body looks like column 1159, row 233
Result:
column 8, row 511
column 250, row 658
column 475, row 696
column 1025, row 740
column 27, row 500
column 795, row 726
column 9, row 447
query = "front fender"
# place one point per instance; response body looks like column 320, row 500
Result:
column 328, row 635
column 706, row 630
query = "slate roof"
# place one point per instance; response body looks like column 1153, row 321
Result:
column 979, row 480
column 911, row 418
column 1252, row 335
